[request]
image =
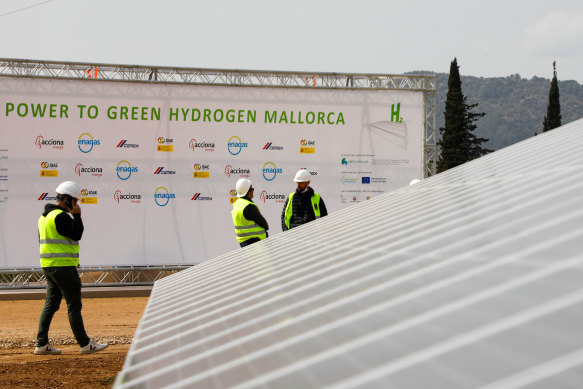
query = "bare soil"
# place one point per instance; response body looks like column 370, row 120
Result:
column 110, row 320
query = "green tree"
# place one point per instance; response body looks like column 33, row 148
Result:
column 458, row 143
column 553, row 116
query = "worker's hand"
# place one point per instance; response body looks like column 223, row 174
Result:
column 76, row 210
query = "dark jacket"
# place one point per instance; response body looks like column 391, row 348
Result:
column 302, row 211
column 251, row 212
column 71, row 227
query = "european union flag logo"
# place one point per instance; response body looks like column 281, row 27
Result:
column 366, row 180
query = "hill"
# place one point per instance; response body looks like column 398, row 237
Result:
column 515, row 107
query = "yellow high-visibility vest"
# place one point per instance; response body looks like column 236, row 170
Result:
column 56, row 250
column 245, row 229
column 288, row 209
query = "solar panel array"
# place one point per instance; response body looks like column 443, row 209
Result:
column 472, row 278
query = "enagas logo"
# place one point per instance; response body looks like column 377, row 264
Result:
column 119, row 196
column 124, row 170
column 270, row 171
column 162, row 196
column 207, row 146
column 94, row 171
column 242, row 172
column 86, row 142
column 40, row 142
column 235, row 145
column 278, row 197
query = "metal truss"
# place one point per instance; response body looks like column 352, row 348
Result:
column 91, row 276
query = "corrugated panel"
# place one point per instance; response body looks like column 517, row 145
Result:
column 470, row 279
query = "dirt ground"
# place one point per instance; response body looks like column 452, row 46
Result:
column 111, row 320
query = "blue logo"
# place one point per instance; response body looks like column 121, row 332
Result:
column 270, row 171
column 86, row 142
column 344, row 161
column 124, row 170
column 162, row 196
column 366, row 180
column 235, row 145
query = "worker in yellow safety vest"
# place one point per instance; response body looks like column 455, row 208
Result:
column 303, row 205
column 250, row 225
column 60, row 229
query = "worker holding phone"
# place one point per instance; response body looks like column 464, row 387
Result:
column 60, row 229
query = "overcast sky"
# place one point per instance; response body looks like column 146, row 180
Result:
column 489, row 38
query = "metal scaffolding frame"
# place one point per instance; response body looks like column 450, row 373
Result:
column 99, row 72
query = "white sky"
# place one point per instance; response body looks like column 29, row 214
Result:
column 489, row 38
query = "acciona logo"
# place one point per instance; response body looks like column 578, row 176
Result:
column 206, row 146
column 119, row 197
column 94, row 171
column 237, row 171
column 55, row 143
column 278, row 197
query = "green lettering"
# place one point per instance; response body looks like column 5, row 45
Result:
column 20, row 112
column 291, row 119
column 300, row 118
column 9, row 108
column 94, row 109
column 123, row 112
column 340, row 118
column 184, row 112
column 64, row 111
column 134, row 113
column 270, row 118
column 251, row 116
column 155, row 113
column 38, row 110
column 173, row 114
column 206, row 115
column 197, row 114
column 220, row 118
column 144, row 113
column 321, row 118
column 328, row 117
column 395, row 112
column 240, row 116
column 53, row 110
column 81, row 108
column 231, row 115
column 112, row 112
column 310, row 117
column 283, row 117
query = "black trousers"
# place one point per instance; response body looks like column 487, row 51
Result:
column 249, row 241
column 62, row 282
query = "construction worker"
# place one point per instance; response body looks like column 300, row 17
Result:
column 303, row 205
column 60, row 228
column 250, row 225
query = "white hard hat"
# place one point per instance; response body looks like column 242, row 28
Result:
column 242, row 187
column 69, row 188
column 414, row 181
column 302, row 176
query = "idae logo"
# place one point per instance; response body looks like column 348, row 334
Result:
column 86, row 142
column 49, row 169
column 162, row 196
column 307, row 146
column 165, row 144
column 233, row 196
column 119, row 197
column 270, row 171
column 235, row 145
column 88, row 196
column 201, row 170
column 277, row 197
column 125, row 170
column 206, row 146
column 83, row 169
column 41, row 142
column 237, row 171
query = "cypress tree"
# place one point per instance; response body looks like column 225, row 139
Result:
column 458, row 143
column 553, row 116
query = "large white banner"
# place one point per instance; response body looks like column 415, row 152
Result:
column 158, row 163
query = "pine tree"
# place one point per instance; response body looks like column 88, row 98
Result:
column 458, row 143
column 553, row 116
